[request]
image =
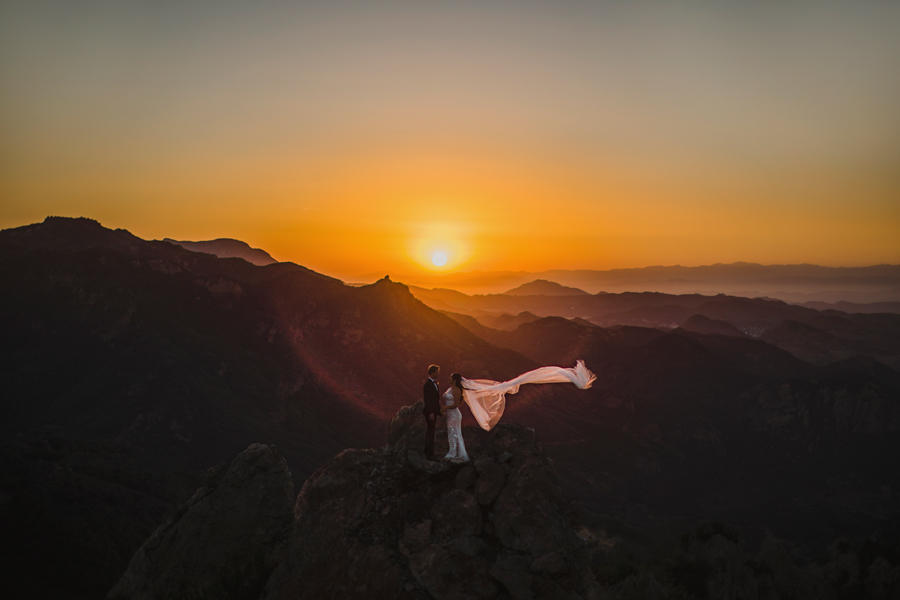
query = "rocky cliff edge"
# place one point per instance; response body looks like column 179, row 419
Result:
column 376, row 524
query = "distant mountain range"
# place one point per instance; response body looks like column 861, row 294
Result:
column 851, row 289
column 228, row 248
column 792, row 283
column 542, row 287
column 867, row 333
column 131, row 367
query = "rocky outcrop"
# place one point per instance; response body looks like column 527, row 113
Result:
column 225, row 541
column 390, row 524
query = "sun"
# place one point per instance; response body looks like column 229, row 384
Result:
column 439, row 247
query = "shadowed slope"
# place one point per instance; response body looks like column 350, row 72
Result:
column 228, row 248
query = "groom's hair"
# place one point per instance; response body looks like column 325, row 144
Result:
column 432, row 369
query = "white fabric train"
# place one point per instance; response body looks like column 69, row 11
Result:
column 487, row 399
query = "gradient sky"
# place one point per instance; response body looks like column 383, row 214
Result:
column 360, row 137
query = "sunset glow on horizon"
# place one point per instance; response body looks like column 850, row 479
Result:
column 359, row 138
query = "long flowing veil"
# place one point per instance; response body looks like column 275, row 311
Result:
column 487, row 399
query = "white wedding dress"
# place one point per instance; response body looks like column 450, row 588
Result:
column 487, row 399
column 457, row 452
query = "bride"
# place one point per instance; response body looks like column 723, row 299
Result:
column 487, row 399
column 450, row 408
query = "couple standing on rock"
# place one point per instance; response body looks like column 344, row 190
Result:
column 486, row 400
column 447, row 406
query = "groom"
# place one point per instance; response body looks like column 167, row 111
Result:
column 432, row 410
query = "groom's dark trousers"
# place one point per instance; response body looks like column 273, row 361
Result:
column 432, row 411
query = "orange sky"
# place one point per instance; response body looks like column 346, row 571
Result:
column 358, row 138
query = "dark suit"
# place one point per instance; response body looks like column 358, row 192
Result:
column 432, row 398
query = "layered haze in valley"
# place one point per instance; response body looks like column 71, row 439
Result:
column 234, row 236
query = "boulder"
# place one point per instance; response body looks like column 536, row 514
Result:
column 517, row 442
column 456, row 514
column 490, row 482
column 415, row 538
column 553, row 563
column 225, row 541
column 416, row 459
column 529, row 514
column 332, row 553
column 465, row 478
column 512, row 571
column 454, row 570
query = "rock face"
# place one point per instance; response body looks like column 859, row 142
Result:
column 389, row 524
column 225, row 541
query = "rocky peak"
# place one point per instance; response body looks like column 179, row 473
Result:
column 63, row 234
column 375, row 524
column 391, row 524
column 227, row 248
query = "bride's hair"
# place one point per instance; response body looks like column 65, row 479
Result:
column 457, row 379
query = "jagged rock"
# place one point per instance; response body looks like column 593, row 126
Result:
column 518, row 442
column 528, row 514
column 788, row 578
column 552, row 563
column 465, row 478
column 416, row 459
column 384, row 524
column 490, row 482
column 330, row 554
column 225, row 541
column 510, row 570
column 416, row 538
column 456, row 514
column 731, row 576
column 483, row 460
column 454, row 570
column 643, row 587
column 407, row 428
column 883, row 580
column 842, row 571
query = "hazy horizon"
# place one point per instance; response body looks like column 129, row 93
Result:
column 355, row 137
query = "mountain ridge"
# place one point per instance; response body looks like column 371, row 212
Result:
column 228, row 248
column 542, row 287
column 794, row 283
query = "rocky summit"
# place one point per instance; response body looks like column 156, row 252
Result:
column 376, row 524
column 390, row 524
